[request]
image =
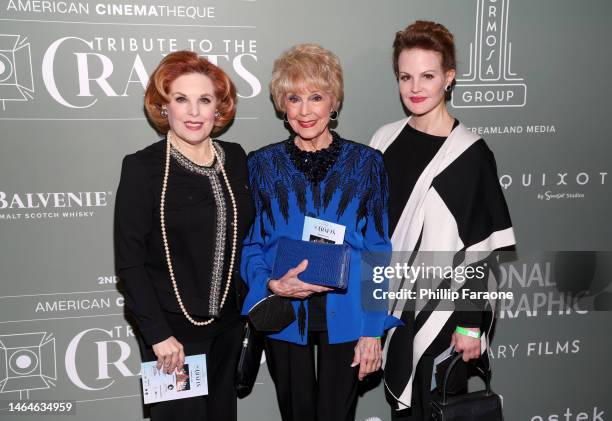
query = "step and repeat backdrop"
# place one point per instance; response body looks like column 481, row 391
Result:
column 533, row 80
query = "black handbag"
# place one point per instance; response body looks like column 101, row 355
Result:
column 249, row 361
column 484, row 405
column 272, row 314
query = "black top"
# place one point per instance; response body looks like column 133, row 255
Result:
column 405, row 160
column 315, row 165
column 191, row 228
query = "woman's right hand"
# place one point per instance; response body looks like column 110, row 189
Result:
column 169, row 354
column 290, row 286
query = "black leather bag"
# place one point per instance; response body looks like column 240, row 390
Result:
column 272, row 314
column 249, row 361
column 484, row 405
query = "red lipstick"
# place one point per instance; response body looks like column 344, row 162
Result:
column 417, row 99
column 307, row 124
column 194, row 125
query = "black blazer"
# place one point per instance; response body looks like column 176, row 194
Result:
column 191, row 227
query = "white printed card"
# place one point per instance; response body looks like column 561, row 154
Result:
column 190, row 381
column 318, row 230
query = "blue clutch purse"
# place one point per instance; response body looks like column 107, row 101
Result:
column 328, row 264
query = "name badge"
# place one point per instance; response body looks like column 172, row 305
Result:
column 318, row 230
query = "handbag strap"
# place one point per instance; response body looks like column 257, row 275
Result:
column 485, row 372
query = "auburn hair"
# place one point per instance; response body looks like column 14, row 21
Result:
column 181, row 63
column 426, row 35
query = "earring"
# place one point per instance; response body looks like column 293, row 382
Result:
column 164, row 113
column 217, row 114
column 285, row 118
column 447, row 88
column 333, row 115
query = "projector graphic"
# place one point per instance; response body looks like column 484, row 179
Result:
column 16, row 78
column 27, row 362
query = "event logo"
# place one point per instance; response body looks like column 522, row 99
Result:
column 27, row 362
column 53, row 200
column 16, row 78
column 110, row 350
column 51, row 205
column 548, row 348
column 490, row 81
column 99, row 71
column 556, row 283
column 589, row 414
column 560, row 185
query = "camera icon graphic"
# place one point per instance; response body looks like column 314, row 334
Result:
column 27, row 362
column 16, row 78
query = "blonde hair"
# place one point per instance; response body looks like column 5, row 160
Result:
column 305, row 67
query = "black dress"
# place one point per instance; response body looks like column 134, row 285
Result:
column 194, row 226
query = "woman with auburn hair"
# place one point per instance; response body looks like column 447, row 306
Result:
column 182, row 209
column 316, row 178
column 444, row 197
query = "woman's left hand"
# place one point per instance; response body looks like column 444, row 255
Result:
column 466, row 344
column 368, row 356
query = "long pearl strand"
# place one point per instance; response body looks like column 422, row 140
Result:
column 162, row 218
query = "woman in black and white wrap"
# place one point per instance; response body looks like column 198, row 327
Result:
column 444, row 197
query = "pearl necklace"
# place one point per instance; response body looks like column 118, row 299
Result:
column 165, row 236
